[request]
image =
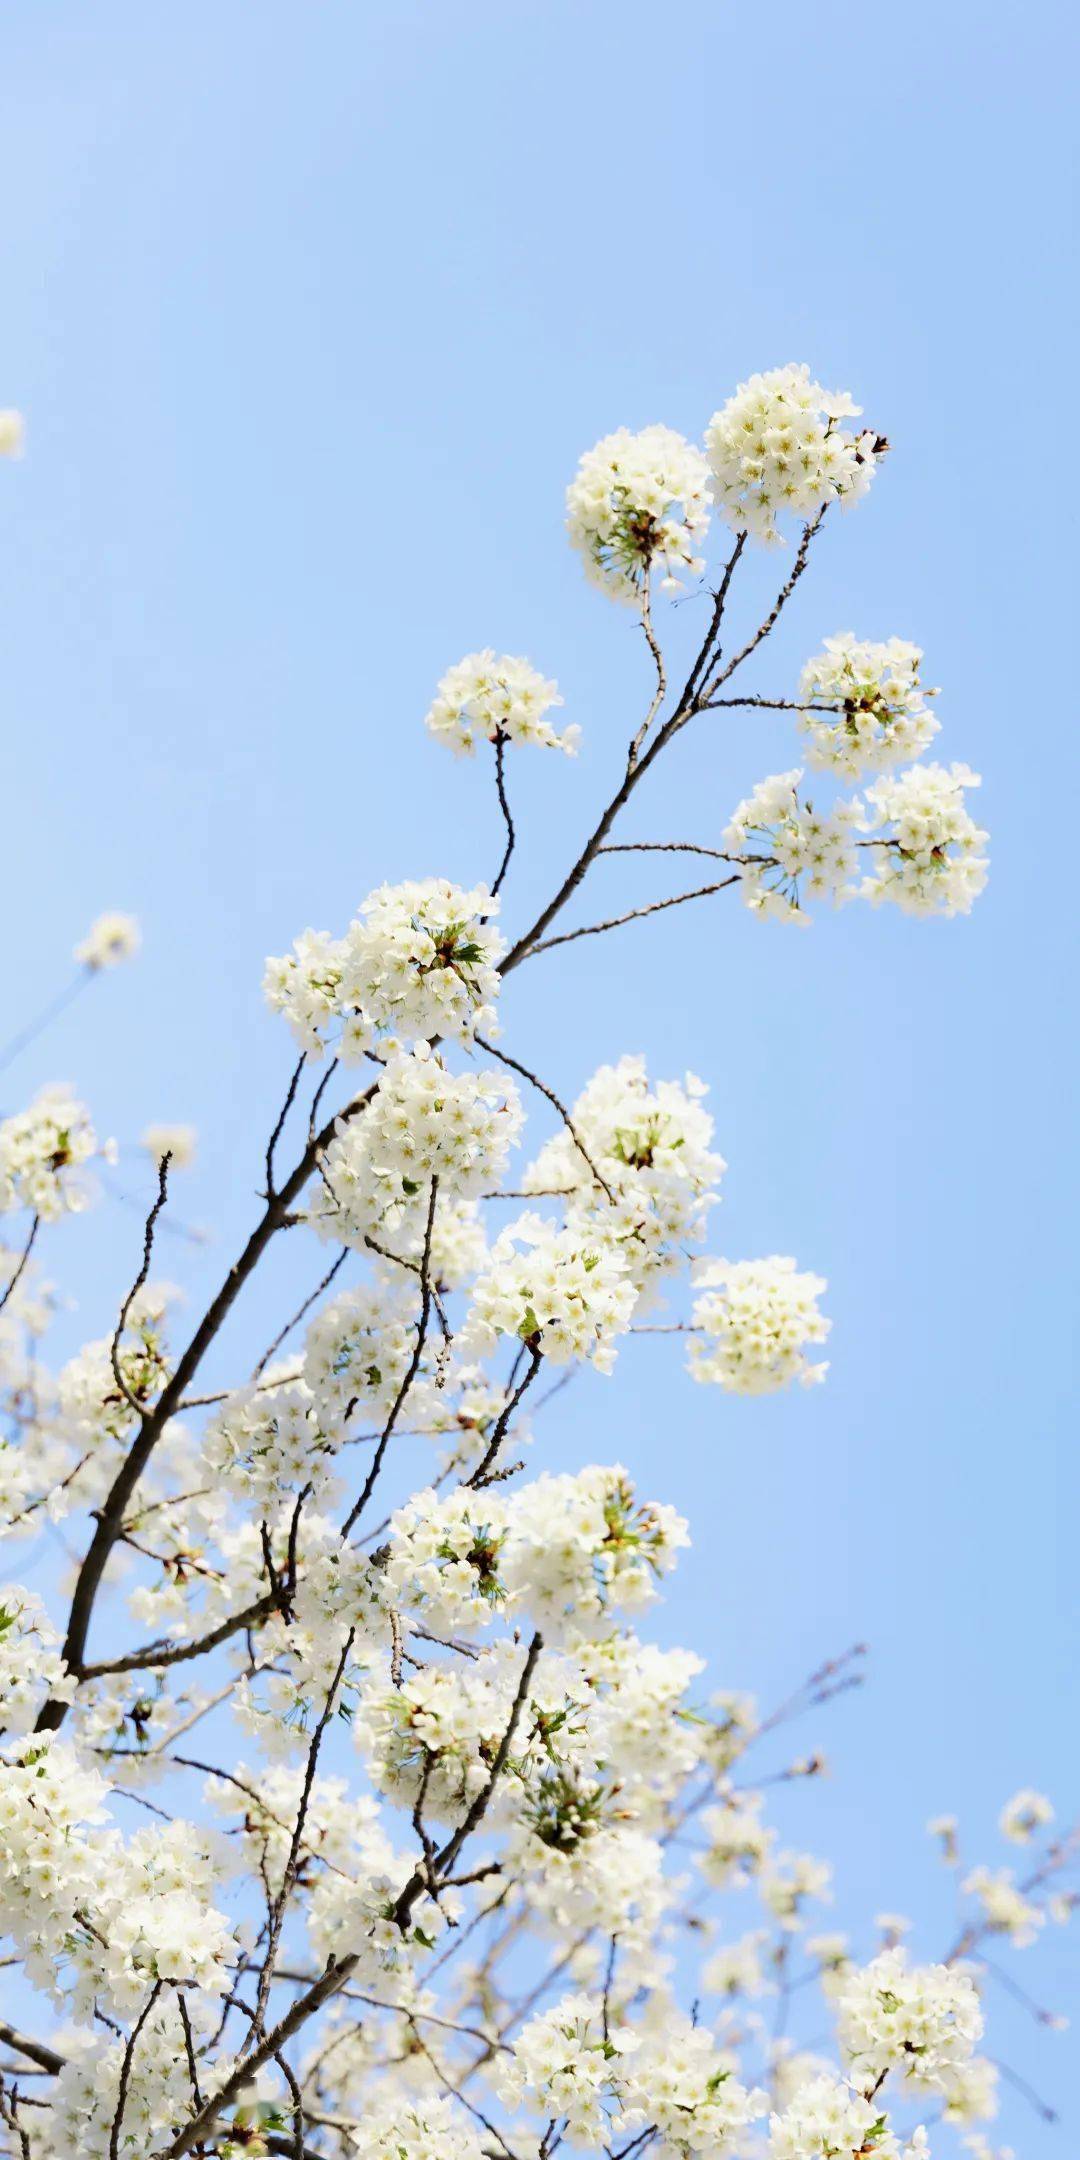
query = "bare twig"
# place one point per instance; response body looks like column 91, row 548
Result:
column 550, row 1095
column 279, row 1128
column 410, row 1373
column 23, row 1260
column 615, row 922
column 500, row 790
column 148, row 1250
column 300, row 1313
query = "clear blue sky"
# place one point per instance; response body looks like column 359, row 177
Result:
column 312, row 310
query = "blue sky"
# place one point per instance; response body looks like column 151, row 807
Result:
column 312, row 311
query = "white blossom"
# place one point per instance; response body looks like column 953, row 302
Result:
column 43, row 1153
column 568, row 2062
column 776, row 447
column 882, row 714
column 175, row 1141
column 31, row 1666
column 12, row 432
column 637, row 502
column 425, row 1123
column 828, row 2120
column 790, row 851
column 492, row 697
column 1024, row 1814
column 922, row 2019
column 756, row 1319
column 419, row 961
column 651, row 1145
column 931, row 859
column 424, row 2129
column 567, row 1293
column 1005, row 1908
column 110, row 939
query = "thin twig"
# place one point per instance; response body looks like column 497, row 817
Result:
column 148, row 1250
column 300, row 1313
column 279, row 1128
column 543, row 1089
column 615, row 922
column 125, row 2069
column 410, row 1373
column 500, row 790
column 24, row 1258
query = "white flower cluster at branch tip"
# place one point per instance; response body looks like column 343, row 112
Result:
column 1027, row 1812
column 791, row 851
column 419, row 961
column 176, row 1141
column 827, row 2120
column 756, row 1319
column 651, row 1146
column 488, row 696
column 881, row 716
column 922, row 2020
column 31, row 1667
column 560, row 1290
column 425, row 1123
column 932, row 860
column 639, row 503
column 110, row 940
column 776, row 447
column 926, row 850
column 43, row 1154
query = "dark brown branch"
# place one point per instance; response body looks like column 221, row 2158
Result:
column 164, row 1653
column 763, row 628
column 35, row 2051
column 500, row 790
column 543, row 1089
column 279, row 1128
column 300, row 1314
column 332, row 1981
column 615, row 922
column 410, row 1374
column 111, row 1517
column 148, row 1252
column 125, row 2069
column 23, row 1260
column 481, row 1475
column 288, row 1880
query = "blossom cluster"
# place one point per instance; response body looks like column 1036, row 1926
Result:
column 497, row 697
column 756, row 1318
column 652, row 1147
column 881, row 713
column 639, row 502
column 43, row 1154
column 425, row 1126
column 419, row 961
column 776, row 447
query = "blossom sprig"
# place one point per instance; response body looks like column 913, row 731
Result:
column 497, row 697
column 110, row 940
column 419, row 961
column 756, row 1319
column 790, row 851
column 931, row 859
column 639, row 502
column 881, row 713
column 777, row 447
column 44, row 1152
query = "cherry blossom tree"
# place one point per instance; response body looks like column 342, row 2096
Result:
column 383, row 1829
